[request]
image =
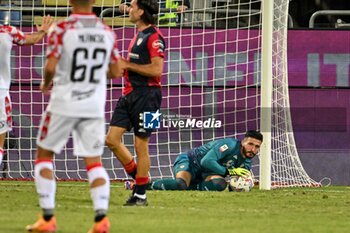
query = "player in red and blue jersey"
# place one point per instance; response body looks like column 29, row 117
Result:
column 141, row 93
column 205, row 168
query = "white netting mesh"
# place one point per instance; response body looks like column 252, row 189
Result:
column 212, row 73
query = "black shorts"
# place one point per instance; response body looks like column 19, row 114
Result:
column 128, row 109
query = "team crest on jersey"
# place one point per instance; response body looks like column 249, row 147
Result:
column 223, row 148
column 139, row 41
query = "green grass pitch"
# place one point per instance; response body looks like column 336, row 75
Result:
column 299, row 210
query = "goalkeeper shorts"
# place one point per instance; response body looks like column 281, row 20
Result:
column 183, row 163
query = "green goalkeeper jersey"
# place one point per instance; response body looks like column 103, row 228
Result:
column 216, row 156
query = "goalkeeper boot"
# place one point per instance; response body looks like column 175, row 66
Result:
column 43, row 226
column 101, row 226
column 136, row 201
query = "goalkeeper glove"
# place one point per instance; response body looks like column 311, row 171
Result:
column 238, row 171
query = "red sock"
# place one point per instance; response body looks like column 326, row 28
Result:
column 130, row 168
column 141, row 185
column 141, row 180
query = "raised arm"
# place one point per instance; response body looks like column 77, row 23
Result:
column 42, row 30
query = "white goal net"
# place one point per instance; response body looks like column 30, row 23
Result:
column 211, row 83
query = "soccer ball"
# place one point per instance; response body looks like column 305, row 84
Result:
column 241, row 184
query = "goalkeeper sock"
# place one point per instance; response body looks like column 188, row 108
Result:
column 1, row 155
column 141, row 186
column 169, row 184
column 130, row 168
column 46, row 188
column 213, row 185
column 99, row 194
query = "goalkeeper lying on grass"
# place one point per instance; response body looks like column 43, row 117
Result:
column 205, row 168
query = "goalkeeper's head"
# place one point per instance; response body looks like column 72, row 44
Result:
column 251, row 143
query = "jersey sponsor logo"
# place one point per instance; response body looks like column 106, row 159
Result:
column 139, row 41
column 157, row 44
column 223, row 148
column 80, row 95
column 134, row 55
column 151, row 120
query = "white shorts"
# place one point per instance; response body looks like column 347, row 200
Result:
column 88, row 134
column 5, row 114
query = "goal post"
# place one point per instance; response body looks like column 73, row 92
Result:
column 266, row 93
column 225, row 73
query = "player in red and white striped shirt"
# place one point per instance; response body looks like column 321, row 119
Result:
column 81, row 50
column 10, row 35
